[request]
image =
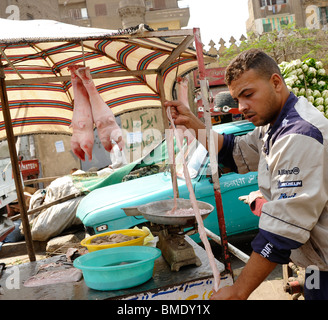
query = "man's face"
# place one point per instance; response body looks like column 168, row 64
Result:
column 257, row 98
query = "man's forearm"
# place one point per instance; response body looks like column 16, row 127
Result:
column 253, row 274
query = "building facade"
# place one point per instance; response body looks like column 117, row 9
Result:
column 269, row 15
column 107, row 14
column 29, row 9
column 117, row 14
column 316, row 14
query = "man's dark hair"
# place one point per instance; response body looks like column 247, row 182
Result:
column 254, row 59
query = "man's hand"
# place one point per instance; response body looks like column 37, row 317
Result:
column 227, row 293
column 182, row 115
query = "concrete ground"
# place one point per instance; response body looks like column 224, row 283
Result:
column 271, row 288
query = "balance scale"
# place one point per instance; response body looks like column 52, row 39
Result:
column 171, row 229
column 175, row 249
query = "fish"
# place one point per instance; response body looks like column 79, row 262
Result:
column 54, row 276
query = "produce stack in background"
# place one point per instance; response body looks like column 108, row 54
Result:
column 308, row 79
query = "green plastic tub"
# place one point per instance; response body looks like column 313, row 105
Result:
column 117, row 268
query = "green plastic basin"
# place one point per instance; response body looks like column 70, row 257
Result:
column 117, row 268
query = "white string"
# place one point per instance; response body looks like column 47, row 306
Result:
column 201, row 229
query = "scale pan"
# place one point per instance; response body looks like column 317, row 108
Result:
column 157, row 212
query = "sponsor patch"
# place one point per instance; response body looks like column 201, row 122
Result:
column 295, row 171
column 267, row 250
column 285, row 196
column 290, row 184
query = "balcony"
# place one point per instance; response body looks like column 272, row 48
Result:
column 172, row 14
column 277, row 9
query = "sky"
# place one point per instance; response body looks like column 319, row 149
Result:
column 217, row 18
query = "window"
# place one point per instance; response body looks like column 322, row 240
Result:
column 267, row 27
column 75, row 14
column 78, row 13
column 101, row 9
column 283, row 23
column 323, row 15
column 264, row 3
column 149, row 4
column 84, row 13
column 159, row 4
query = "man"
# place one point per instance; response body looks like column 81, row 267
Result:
column 289, row 149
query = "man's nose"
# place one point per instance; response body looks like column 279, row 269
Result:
column 242, row 107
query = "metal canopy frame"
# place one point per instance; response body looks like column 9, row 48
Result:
column 190, row 36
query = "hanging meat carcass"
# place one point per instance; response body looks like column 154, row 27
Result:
column 104, row 119
column 90, row 109
column 82, row 122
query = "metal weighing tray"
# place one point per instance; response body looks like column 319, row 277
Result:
column 156, row 212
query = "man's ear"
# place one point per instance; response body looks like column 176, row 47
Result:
column 277, row 81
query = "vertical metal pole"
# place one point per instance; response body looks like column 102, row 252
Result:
column 212, row 153
column 162, row 97
column 14, row 164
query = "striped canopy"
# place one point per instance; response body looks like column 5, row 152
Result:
column 129, row 70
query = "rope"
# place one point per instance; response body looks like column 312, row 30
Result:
column 201, row 229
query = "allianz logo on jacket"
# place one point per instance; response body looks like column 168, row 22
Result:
column 295, row 171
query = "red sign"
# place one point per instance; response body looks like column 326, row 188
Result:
column 215, row 77
column 29, row 167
